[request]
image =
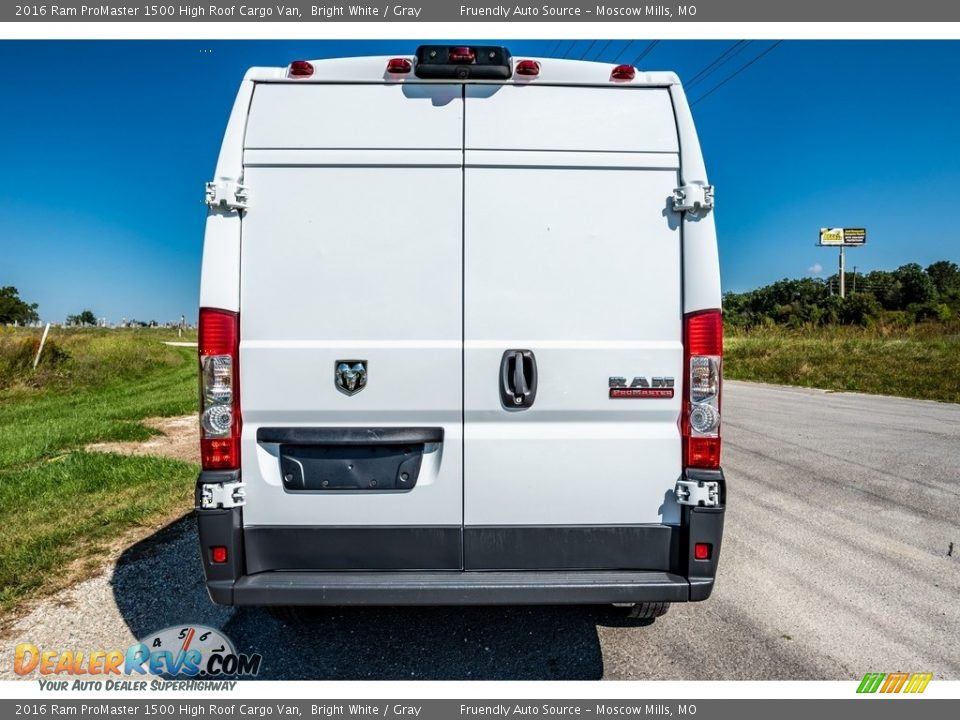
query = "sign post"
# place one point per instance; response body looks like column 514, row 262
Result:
column 842, row 238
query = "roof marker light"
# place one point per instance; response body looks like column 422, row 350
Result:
column 300, row 69
column 399, row 66
column 530, row 68
column 623, row 72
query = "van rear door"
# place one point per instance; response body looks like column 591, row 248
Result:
column 351, row 327
column 572, row 259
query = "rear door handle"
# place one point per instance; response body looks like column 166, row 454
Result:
column 518, row 379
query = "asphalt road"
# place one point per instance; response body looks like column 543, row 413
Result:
column 841, row 556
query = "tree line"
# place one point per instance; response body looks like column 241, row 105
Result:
column 908, row 295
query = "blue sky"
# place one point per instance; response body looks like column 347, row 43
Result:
column 106, row 146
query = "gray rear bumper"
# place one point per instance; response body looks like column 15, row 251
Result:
column 451, row 588
column 357, row 566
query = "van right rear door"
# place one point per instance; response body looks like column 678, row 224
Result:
column 571, row 256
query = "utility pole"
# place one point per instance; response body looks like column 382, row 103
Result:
column 854, row 278
column 843, row 288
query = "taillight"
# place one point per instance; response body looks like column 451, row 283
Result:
column 219, row 389
column 703, row 356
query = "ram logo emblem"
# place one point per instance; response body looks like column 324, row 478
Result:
column 350, row 376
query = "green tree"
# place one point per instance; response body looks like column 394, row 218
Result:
column 945, row 276
column 916, row 287
column 15, row 310
column 85, row 317
column 860, row 309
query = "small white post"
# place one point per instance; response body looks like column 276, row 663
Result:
column 43, row 340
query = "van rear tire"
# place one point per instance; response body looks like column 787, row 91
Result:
column 645, row 612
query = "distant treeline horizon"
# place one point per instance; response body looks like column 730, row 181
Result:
column 908, row 295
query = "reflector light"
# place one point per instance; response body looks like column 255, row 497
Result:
column 462, row 55
column 701, row 551
column 300, row 68
column 218, row 554
column 530, row 68
column 399, row 66
column 623, row 72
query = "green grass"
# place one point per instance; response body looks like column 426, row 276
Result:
column 59, row 505
column 918, row 363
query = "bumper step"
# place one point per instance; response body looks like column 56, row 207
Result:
column 453, row 588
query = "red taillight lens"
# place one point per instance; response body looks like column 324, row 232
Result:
column 218, row 554
column 700, row 421
column 529, row 68
column 623, row 72
column 218, row 346
column 462, row 55
column 704, row 333
column 300, row 69
column 702, row 551
column 399, row 66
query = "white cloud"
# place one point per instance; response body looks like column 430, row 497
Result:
column 815, row 269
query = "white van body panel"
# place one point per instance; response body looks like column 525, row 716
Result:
column 701, row 259
column 427, row 227
column 580, row 263
column 338, row 263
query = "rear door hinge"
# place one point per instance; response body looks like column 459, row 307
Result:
column 226, row 194
column 222, row 495
column 699, row 493
column 694, row 197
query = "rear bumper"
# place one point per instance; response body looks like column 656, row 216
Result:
column 669, row 571
column 452, row 588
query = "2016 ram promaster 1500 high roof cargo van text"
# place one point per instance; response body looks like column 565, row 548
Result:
column 460, row 337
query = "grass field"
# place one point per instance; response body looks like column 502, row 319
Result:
column 919, row 362
column 61, row 506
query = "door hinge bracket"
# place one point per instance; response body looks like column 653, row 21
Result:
column 694, row 197
column 698, row 493
column 223, row 495
column 226, row 195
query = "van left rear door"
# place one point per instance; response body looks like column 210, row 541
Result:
column 351, row 327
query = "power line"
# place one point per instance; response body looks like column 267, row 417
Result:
column 586, row 52
column 646, row 51
column 573, row 44
column 734, row 74
column 604, row 49
column 553, row 48
column 717, row 62
column 624, row 49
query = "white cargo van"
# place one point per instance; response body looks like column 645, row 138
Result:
column 460, row 337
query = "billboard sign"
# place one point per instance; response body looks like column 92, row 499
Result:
column 835, row 237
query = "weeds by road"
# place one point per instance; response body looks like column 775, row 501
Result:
column 920, row 362
column 60, row 506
